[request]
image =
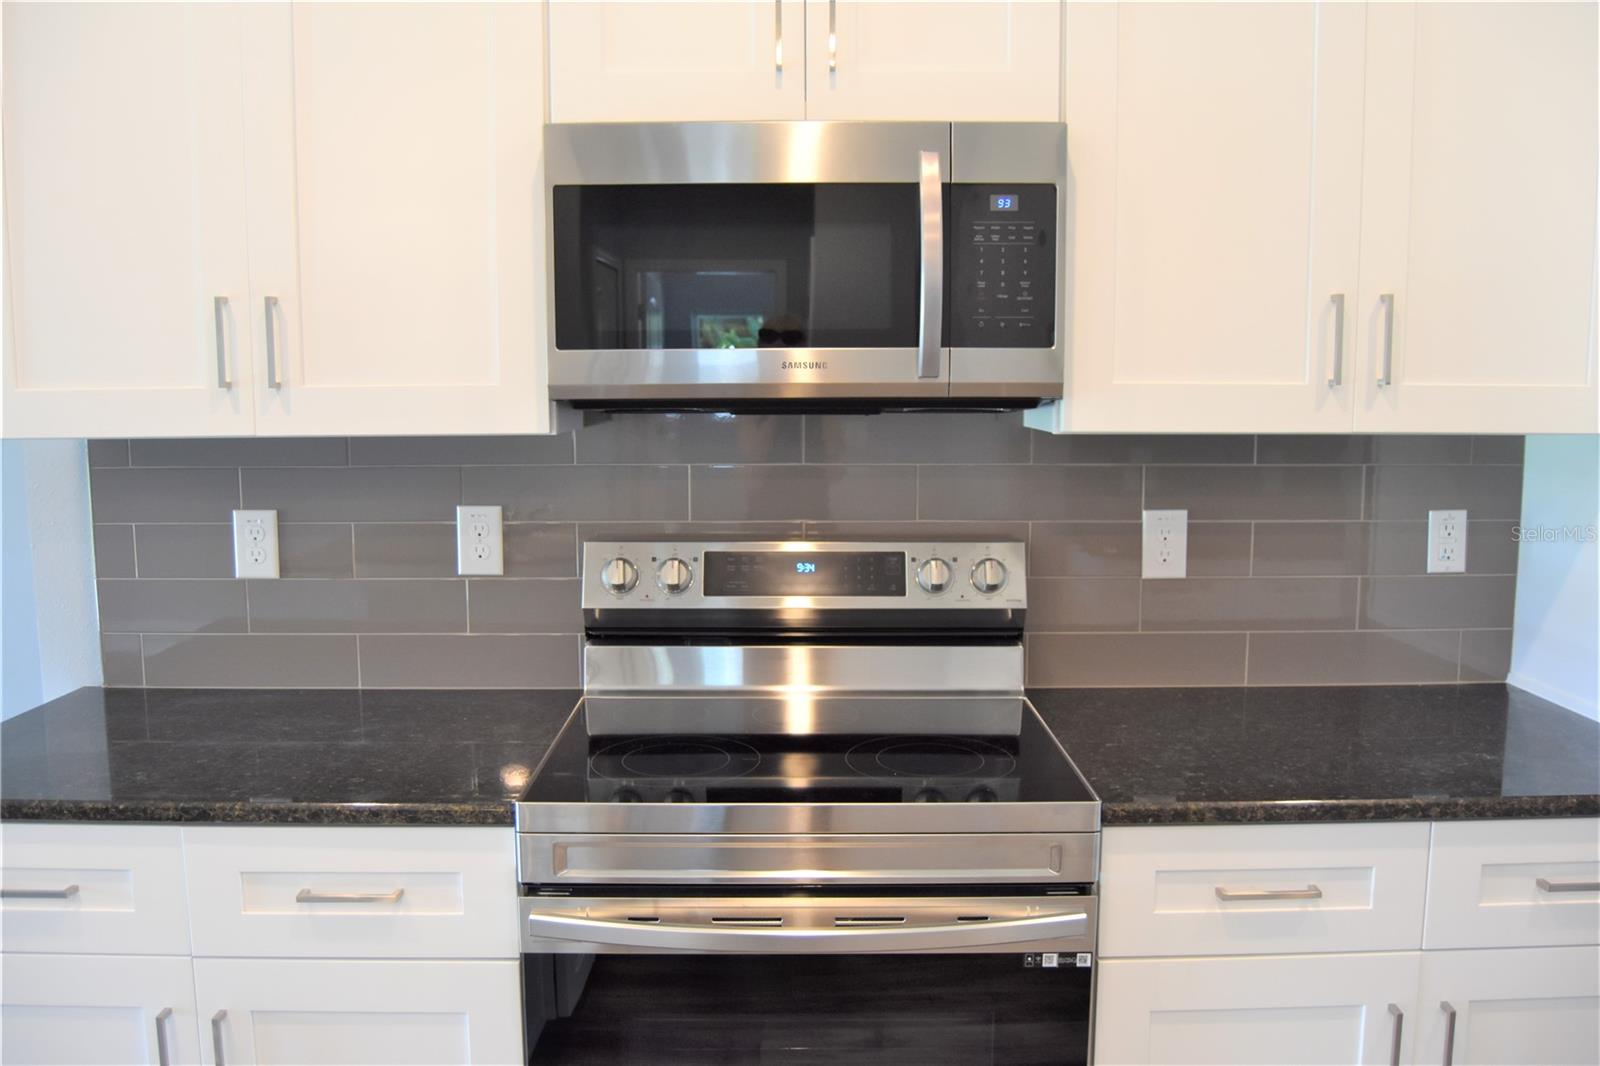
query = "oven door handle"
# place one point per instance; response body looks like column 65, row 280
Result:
column 930, row 319
column 665, row 936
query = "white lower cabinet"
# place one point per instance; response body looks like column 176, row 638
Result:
column 274, row 1012
column 112, row 1009
column 1511, row 1005
column 1262, row 1009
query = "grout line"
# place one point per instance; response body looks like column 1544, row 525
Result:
column 143, row 677
column 1250, row 561
column 1247, row 658
column 1461, row 643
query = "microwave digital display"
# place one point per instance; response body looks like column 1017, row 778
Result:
column 1004, row 202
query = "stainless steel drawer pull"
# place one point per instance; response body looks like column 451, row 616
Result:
column 311, row 895
column 777, row 33
column 39, row 893
column 1547, row 885
column 1336, row 376
column 163, row 1052
column 972, row 917
column 765, row 921
column 1386, row 363
column 833, row 36
column 645, row 919
column 1234, row 894
column 216, row 1037
column 219, row 316
column 1449, row 1033
column 270, row 311
column 845, row 921
column 1399, row 1017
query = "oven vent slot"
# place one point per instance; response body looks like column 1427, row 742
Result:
column 972, row 917
column 646, row 919
column 868, row 919
column 747, row 920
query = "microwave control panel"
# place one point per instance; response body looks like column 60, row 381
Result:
column 1002, row 291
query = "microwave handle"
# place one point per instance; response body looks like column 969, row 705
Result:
column 930, row 329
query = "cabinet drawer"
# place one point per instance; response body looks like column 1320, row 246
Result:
column 1249, row 890
column 92, row 888
column 375, row 893
column 1514, row 884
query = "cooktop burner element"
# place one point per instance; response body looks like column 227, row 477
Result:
column 674, row 757
column 963, row 757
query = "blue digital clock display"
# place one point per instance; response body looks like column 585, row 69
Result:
column 805, row 568
column 1003, row 202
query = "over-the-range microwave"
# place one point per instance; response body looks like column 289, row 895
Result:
column 810, row 264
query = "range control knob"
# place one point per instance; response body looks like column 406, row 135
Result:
column 982, row 794
column 625, row 795
column 680, row 795
column 933, row 575
column 928, row 795
column 989, row 575
column 674, row 575
column 619, row 576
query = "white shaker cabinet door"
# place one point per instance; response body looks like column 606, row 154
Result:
column 647, row 61
column 1478, row 305
column 1515, row 1005
column 934, row 60
column 111, row 1009
column 126, row 275
column 272, row 1012
column 1215, row 203
column 396, row 213
column 1267, row 1009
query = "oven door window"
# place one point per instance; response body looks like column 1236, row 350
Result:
column 842, row 1010
column 736, row 266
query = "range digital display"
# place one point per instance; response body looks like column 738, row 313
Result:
column 793, row 574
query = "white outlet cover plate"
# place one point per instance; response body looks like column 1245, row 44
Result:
column 479, row 545
column 255, row 544
column 1447, row 542
column 1166, row 544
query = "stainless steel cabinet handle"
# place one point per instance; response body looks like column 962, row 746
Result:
column 163, row 1052
column 930, row 322
column 270, row 309
column 1231, row 894
column 311, row 895
column 219, row 316
column 1547, row 885
column 39, row 893
column 664, row 936
column 1386, row 363
column 1449, row 1033
column 777, row 35
column 833, row 36
column 216, row 1037
column 1399, row 1017
column 1336, row 376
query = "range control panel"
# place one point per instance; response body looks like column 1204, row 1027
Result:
column 1002, row 266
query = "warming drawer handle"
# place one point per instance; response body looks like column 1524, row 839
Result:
column 930, row 319
column 669, row 937
column 39, row 893
column 1547, row 885
column 311, row 895
column 1233, row 895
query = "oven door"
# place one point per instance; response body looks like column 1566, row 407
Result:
column 747, row 260
column 919, row 980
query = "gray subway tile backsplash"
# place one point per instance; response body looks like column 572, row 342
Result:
column 1305, row 553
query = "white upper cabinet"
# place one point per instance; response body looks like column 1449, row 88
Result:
column 941, row 61
column 396, row 217
column 125, row 225
column 645, row 61
column 1215, row 210
column 1478, row 219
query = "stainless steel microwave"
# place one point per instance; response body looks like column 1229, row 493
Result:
column 806, row 263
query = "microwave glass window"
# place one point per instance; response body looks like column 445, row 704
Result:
column 736, row 266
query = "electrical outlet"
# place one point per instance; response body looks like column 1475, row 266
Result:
column 255, row 544
column 479, row 549
column 1166, row 544
column 1447, row 542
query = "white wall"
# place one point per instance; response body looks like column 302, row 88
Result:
column 1556, row 645
column 49, row 629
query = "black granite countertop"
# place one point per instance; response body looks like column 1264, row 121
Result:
column 1155, row 756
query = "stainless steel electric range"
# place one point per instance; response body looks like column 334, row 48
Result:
column 805, row 813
